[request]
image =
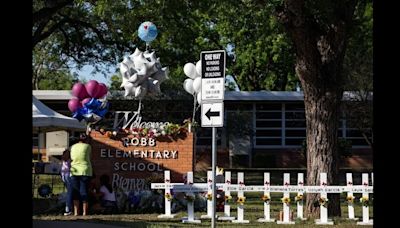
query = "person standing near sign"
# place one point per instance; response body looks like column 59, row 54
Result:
column 81, row 172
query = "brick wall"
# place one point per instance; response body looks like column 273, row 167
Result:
column 111, row 157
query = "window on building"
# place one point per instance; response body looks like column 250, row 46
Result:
column 295, row 124
column 268, row 129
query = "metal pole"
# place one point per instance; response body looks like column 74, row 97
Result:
column 214, row 192
column 39, row 145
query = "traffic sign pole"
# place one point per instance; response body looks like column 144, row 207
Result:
column 214, row 192
column 212, row 107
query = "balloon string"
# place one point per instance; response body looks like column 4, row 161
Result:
column 194, row 108
column 140, row 106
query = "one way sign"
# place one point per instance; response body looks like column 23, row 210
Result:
column 212, row 114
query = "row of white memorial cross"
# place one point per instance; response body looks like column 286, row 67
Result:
column 190, row 188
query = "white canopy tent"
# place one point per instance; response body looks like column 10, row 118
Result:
column 44, row 119
column 47, row 119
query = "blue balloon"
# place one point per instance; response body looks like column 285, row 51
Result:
column 78, row 114
column 93, row 111
column 147, row 31
column 103, row 111
column 93, row 104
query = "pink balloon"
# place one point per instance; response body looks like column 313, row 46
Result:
column 91, row 87
column 79, row 91
column 101, row 90
column 86, row 100
column 74, row 104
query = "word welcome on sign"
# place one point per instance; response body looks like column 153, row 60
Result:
column 133, row 119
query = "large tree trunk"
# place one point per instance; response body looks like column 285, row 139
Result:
column 321, row 109
column 320, row 49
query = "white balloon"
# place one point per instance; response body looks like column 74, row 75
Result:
column 129, row 89
column 133, row 78
column 161, row 75
column 140, row 91
column 123, row 68
column 197, row 85
column 188, row 85
column 128, row 62
column 136, row 53
column 153, row 86
column 190, row 70
column 198, row 68
column 151, row 56
column 199, row 98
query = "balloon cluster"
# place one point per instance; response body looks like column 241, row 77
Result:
column 142, row 74
column 192, row 84
column 89, row 102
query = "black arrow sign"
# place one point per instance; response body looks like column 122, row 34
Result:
column 209, row 114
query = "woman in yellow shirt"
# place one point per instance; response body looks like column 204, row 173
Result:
column 81, row 172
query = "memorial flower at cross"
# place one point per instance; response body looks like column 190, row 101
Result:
column 168, row 196
column 209, row 196
column 323, row 201
column 266, row 198
column 350, row 199
column 228, row 198
column 298, row 198
column 241, row 200
column 365, row 201
column 285, row 200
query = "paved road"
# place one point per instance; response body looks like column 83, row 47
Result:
column 66, row 224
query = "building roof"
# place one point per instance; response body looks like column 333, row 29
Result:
column 229, row 95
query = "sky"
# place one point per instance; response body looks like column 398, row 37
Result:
column 86, row 73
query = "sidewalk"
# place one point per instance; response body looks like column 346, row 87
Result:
column 66, row 224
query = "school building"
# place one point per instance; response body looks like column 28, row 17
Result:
column 262, row 129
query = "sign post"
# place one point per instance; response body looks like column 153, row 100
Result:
column 212, row 106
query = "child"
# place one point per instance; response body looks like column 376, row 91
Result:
column 108, row 200
column 66, row 178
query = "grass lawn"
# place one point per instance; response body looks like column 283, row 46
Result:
column 253, row 211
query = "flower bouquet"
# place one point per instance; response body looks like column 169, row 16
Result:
column 298, row 198
column 365, row 201
column 228, row 198
column 323, row 201
column 241, row 200
column 168, row 196
column 266, row 198
column 350, row 199
column 285, row 200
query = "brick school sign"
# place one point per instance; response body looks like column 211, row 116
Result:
column 131, row 161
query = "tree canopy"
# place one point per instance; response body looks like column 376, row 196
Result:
column 100, row 33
